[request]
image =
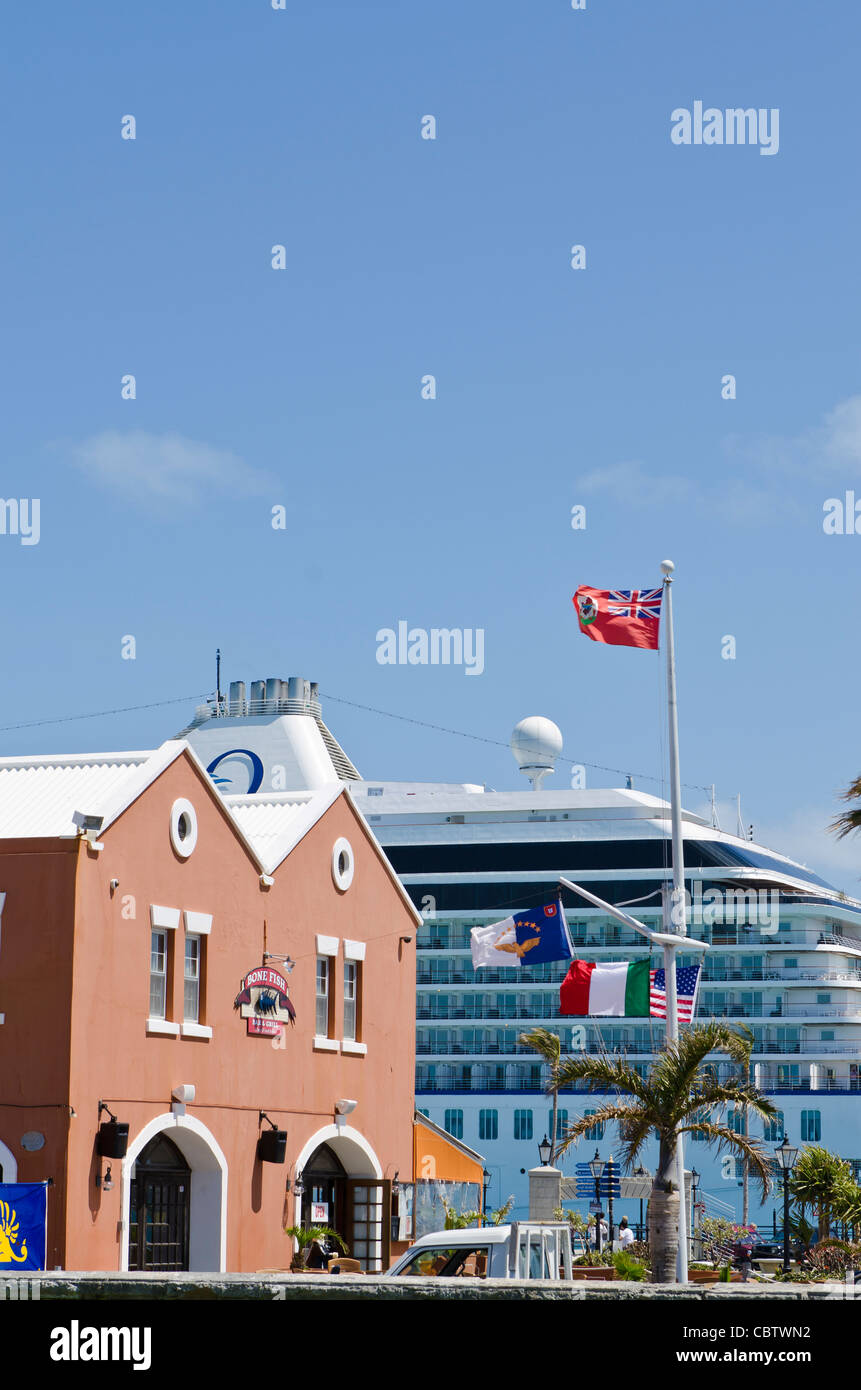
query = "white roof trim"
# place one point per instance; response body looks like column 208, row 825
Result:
column 381, row 855
column 315, row 807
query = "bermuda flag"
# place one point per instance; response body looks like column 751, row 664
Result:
column 687, row 979
column 528, row 938
column 620, row 617
column 617, row 990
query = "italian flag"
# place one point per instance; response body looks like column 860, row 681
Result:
column 620, row 990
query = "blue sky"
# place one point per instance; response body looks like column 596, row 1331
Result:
column 404, row 257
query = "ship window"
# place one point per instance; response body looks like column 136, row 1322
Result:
column 523, row 1124
column 811, row 1126
column 594, row 1131
column 488, row 1124
column 454, row 1123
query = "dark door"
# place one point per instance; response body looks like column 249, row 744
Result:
column 323, row 1199
column 159, row 1208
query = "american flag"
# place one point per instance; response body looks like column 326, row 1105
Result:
column 686, row 992
column 635, row 603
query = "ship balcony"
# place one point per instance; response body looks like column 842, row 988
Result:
column 753, row 934
column 482, row 1085
column 620, row 1047
column 716, row 973
column 468, row 1008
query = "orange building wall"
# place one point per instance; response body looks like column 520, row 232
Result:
column 435, row 1158
column 235, row 1075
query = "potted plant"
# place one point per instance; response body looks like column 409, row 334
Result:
column 305, row 1236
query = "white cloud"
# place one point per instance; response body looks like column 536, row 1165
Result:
column 752, row 488
column 634, row 484
column 163, row 467
column 824, row 451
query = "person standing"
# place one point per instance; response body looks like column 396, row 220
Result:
column 626, row 1235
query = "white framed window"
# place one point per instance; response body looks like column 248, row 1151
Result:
column 158, row 974
column 191, row 978
column 352, row 990
column 323, row 999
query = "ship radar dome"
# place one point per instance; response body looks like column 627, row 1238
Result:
column 536, row 744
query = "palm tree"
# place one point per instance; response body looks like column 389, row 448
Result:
column 847, row 1207
column 848, row 821
column 824, row 1182
column 549, row 1045
column 676, row 1098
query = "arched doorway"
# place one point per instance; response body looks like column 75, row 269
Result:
column 8, row 1164
column 159, row 1208
column 202, row 1155
column 339, row 1164
column 324, row 1198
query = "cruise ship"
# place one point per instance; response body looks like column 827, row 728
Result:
column 784, row 955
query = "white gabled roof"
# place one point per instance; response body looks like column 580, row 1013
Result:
column 275, row 822
column 38, row 796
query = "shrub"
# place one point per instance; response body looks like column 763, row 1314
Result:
column 627, row 1267
column 830, row 1257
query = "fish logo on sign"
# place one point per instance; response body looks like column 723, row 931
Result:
column 9, row 1236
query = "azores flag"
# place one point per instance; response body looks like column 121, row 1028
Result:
column 23, row 1225
column 527, row 938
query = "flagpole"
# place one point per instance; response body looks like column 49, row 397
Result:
column 678, row 922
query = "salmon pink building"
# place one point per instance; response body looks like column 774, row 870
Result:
column 235, row 983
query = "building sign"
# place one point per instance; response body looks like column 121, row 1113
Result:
column 264, row 1002
column 320, row 1212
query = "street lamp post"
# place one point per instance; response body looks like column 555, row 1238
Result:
column 695, row 1177
column 786, row 1157
column 544, row 1151
column 597, row 1167
column 641, row 1173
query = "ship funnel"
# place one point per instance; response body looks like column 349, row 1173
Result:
column 536, row 744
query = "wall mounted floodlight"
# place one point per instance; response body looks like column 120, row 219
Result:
column 113, row 1136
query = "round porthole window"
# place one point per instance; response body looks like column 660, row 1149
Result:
column 343, row 864
column 183, row 827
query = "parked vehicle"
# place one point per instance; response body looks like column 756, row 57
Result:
column 521, row 1250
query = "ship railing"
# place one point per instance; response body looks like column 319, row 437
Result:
column 494, row 1086
column 787, row 1047
column 245, row 708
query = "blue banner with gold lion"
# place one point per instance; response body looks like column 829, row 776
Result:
column 23, row 1225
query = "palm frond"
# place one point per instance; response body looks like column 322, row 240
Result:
column 541, row 1040
column 727, row 1140
column 604, row 1073
column 624, row 1114
column 848, row 821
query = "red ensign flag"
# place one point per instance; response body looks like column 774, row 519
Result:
column 620, row 617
